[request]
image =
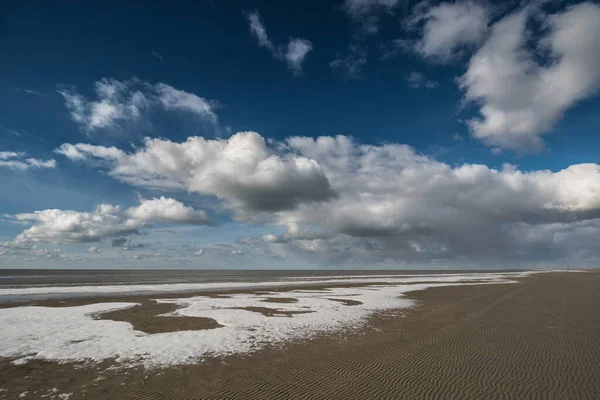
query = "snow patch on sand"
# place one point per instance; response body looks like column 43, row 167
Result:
column 73, row 334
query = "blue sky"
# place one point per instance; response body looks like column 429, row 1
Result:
column 453, row 135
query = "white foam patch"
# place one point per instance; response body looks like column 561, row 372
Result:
column 73, row 334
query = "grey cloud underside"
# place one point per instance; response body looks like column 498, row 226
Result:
column 243, row 171
column 395, row 204
column 119, row 242
column 346, row 202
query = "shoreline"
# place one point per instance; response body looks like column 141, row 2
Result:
column 19, row 296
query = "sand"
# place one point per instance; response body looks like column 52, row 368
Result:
column 539, row 338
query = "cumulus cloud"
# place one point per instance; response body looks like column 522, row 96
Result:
column 20, row 161
column 348, row 202
column 118, row 102
column 395, row 203
column 68, row 226
column 168, row 210
column 294, row 53
column 94, row 249
column 448, row 28
column 104, row 221
column 522, row 98
column 243, row 171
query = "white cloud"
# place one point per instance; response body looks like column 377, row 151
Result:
column 242, row 170
column 258, row 30
column 68, row 226
column 5, row 155
column 520, row 98
column 346, row 202
column 18, row 161
column 173, row 99
column 449, row 28
column 417, row 80
column 297, row 49
column 104, row 221
column 120, row 102
column 167, row 210
column 294, row 53
column 94, row 249
column 395, row 203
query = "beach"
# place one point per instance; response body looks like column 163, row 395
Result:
column 534, row 338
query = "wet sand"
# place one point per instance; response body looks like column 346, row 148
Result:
column 539, row 338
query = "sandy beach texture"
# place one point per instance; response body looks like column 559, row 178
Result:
column 538, row 338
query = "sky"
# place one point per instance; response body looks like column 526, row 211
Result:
column 372, row 134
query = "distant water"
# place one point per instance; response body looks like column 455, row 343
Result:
column 32, row 285
column 15, row 278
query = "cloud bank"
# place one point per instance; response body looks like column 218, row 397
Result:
column 347, row 202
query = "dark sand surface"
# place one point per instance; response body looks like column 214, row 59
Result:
column 539, row 338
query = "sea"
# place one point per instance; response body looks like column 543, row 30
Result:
column 18, row 285
column 14, row 278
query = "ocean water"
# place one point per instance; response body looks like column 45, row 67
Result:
column 18, row 286
column 14, row 278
